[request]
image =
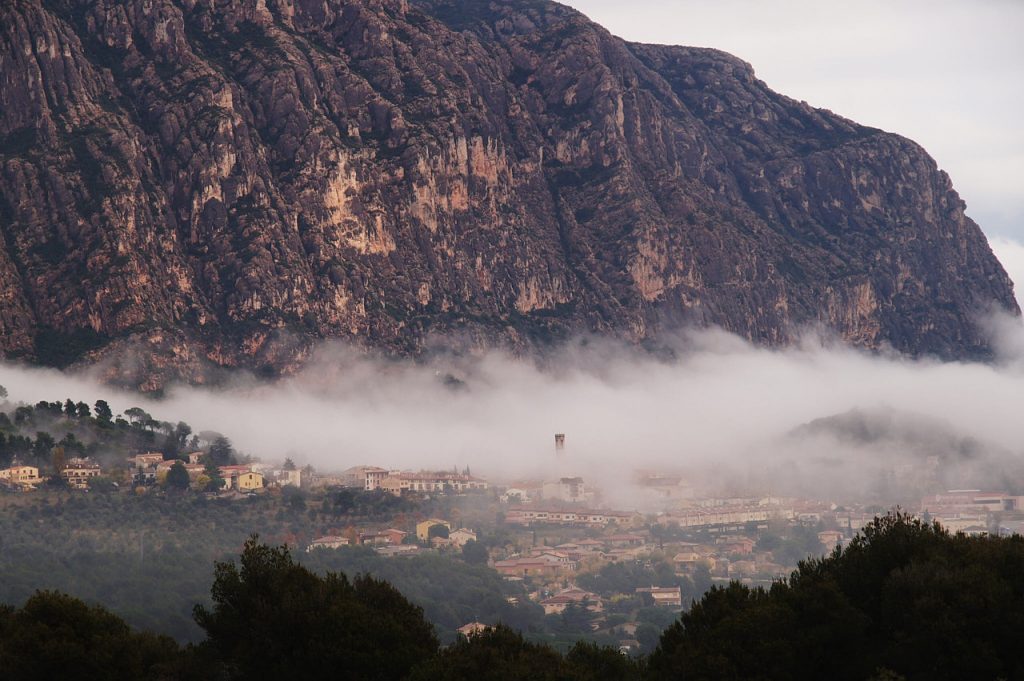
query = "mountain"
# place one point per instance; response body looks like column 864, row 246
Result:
column 909, row 451
column 194, row 184
column 885, row 428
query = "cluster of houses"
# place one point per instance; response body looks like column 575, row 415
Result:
column 561, row 560
column 570, row 517
column 399, row 482
column 389, row 537
column 19, row 477
column 557, row 602
column 725, row 516
column 567, row 490
column 394, row 542
column 77, row 472
column 729, row 551
column 150, row 468
column 730, row 557
column 975, row 511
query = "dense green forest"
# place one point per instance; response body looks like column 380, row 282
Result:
column 905, row 600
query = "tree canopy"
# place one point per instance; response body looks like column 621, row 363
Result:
column 177, row 477
column 272, row 618
column 502, row 654
column 54, row 636
column 474, row 553
column 905, row 597
column 905, row 600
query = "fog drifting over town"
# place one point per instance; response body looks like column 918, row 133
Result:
column 720, row 408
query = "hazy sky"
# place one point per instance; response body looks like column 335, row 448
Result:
column 949, row 74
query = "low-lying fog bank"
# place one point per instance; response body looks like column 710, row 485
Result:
column 721, row 408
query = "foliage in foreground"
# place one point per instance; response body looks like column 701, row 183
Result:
column 906, row 600
column 149, row 559
column 53, row 636
column 274, row 619
column 501, row 654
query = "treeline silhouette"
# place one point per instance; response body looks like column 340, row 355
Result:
column 904, row 600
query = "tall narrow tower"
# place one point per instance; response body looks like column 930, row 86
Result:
column 559, row 443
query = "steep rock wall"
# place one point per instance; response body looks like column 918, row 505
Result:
column 187, row 185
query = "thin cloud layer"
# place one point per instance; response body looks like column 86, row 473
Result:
column 722, row 410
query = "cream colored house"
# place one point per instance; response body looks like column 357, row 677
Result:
column 668, row 596
column 328, row 542
column 440, row 481
column 556, row 604
column 146, row 460
column 472, row 629
column 194, row 469
column 393, row 485
column 367, row 477
column 26, row 476
column 460, row 536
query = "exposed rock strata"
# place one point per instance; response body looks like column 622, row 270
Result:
column 222, row 182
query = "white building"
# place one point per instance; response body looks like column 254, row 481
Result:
column 515, row 495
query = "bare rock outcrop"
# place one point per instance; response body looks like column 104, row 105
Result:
column 187, row 185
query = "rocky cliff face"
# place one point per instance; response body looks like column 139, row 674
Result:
column 222, row 182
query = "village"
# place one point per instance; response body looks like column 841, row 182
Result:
column 617, row 572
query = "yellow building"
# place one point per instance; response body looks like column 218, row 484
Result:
column 423, row 528
column 21, row 475
column 249, row 481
